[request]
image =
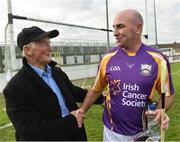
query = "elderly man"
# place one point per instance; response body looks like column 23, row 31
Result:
column 131, row 72
column 40, row 98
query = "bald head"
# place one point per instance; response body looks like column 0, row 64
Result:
column 128, row 27
column 131, row 15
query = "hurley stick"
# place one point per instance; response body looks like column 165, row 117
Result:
column 163, row 91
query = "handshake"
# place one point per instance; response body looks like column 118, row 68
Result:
column 80, row 116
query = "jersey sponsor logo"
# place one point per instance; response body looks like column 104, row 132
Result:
column 146, row 69
column 130, row 65
column 115, row 68
column 131, row 94
column 132, row 97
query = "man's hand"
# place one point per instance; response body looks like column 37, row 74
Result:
column 79, row 114
column 157, row 117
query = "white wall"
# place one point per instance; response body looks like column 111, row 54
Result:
column 74, row 72
column 81, row 71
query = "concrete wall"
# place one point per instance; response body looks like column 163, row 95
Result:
column 81, row 71
column 2, row 81
column 74, row 72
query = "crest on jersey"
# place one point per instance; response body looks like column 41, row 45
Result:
column 114, row 86
column 146, row 69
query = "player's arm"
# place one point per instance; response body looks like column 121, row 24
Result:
column 90, row 98
column 96, row 89
column 98, row 86
column 169, row 101
column 167, row 94
column 166, row 90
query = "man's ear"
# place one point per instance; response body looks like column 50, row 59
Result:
column 27, row 50
column 139, row 28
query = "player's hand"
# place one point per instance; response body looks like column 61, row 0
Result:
column 157, row 117
column 165, row 123
column 79, row 114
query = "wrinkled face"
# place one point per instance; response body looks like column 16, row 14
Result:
column 124, row 30
column 39, row 52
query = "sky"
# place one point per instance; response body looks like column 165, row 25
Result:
column 92, row 13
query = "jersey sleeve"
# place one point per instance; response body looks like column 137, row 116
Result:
column 168, row 82
column 101, row 80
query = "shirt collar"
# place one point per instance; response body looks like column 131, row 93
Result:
column 41, row 72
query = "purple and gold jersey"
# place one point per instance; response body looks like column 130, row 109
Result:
column 131, row 79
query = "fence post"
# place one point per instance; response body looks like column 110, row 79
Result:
column 1, row 60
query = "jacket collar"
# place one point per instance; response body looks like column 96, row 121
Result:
column 34, row 76
column 31, row 72
column 52, row 64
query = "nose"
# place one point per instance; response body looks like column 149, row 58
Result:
column 50, row 48
column 48, row 45
column 115, row 32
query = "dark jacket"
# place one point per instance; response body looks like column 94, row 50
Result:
column 34, row 110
